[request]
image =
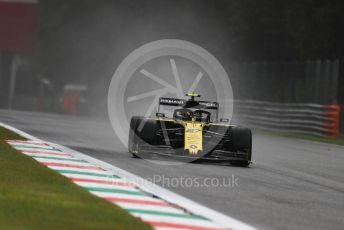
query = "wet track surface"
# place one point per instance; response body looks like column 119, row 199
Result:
column 292, row 184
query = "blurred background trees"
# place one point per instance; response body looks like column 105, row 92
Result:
column 85, row 38
column 82, row 42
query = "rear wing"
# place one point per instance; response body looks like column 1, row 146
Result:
column 209, row 105
column 171, row 101
column 180, row 102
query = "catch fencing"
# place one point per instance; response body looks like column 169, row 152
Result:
column 315, row 119
column 299, row 97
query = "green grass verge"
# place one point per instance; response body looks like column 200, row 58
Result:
column 337, row 141
column 35, row 197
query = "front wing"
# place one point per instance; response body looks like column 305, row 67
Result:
column 170, row 142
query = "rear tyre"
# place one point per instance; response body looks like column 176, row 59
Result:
column 146, row 129
column 242, row 142
column 142, row 130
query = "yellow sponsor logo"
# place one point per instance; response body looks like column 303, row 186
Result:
column 193, row 137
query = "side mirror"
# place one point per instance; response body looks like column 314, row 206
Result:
column 160, row 115
column 224, row 120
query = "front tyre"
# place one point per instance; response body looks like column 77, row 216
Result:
column 133, row 139
column 242, row 142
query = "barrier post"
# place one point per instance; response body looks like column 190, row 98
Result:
column 333, row 112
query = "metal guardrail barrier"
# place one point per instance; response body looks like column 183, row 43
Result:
column 307, row 118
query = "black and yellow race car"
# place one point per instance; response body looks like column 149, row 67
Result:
column 192, row 133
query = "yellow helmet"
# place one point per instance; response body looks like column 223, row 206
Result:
column 193, row 95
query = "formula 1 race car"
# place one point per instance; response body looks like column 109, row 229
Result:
column 193, row 133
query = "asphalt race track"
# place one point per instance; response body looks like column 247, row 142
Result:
column 293, row 184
